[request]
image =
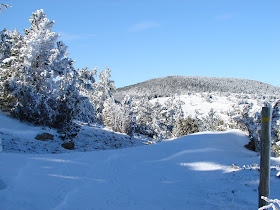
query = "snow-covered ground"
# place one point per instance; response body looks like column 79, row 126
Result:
column 19, row 137
column 200, row 104
column 210, row 170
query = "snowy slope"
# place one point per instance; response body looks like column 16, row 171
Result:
column 172, row 85
column 197, row 104
column 192, row 172
column 20, row 137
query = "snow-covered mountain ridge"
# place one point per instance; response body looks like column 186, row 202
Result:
column 181, row 85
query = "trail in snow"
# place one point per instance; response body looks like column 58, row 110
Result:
column 192, row 172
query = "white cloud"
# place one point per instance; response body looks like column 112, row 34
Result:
column 145, row 25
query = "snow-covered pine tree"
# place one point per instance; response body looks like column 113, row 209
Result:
column 110, row 113
column 129, row 119
column 35, row 87
column 119, row 116
column 159, row 121
column 174, row 113
column 143, row 113
column 275, row 129
column 39, row 51
column 11, row 67
column 44, row 80
column 103, row 90
column 212, row 122
column 166, row 116
column 85, row 81
column 5, row 45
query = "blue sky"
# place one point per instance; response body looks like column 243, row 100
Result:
column 143, row 39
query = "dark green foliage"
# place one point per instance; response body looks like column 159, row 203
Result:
column 187, row 126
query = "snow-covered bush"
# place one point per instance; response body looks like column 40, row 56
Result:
column 187, row 126
column 275, row 129
column 157, row 120
column 143, row 115
column 212, row 122
column 250, row 121
column 272, row 203
column 118, row 116
column 103, row 90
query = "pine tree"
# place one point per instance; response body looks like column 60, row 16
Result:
column 103, row 90
column 119, row 116
column 39, row 53
column 37, row 74
column 128, row 117
column 143, row 114
column 11, row 67
column 85, row 81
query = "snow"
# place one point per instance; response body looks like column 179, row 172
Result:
column 201, row 104
column 209, row 170
column 20, row 137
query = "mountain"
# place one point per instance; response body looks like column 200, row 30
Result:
column 182, row 85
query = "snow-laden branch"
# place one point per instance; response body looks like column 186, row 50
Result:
column 272, row 203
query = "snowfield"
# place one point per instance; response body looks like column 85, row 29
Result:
column 210, row 170
column 201, row 104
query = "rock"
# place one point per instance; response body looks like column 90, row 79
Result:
column 44, row 137
column 68, row 145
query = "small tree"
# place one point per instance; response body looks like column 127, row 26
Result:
column 119, row 116
column 186, row 126
column 103, row 90
column 143, row 114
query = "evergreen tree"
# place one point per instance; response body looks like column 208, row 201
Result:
column 38, row 80
column 103, row 90
column 39, row 53
column 11, row 67
column 159, row 121
column 119, row 116
column 85, row 81
column 143, row 114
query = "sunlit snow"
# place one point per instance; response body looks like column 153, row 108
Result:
column 210, row 170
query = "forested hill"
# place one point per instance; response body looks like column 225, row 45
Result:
column 181, row 85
